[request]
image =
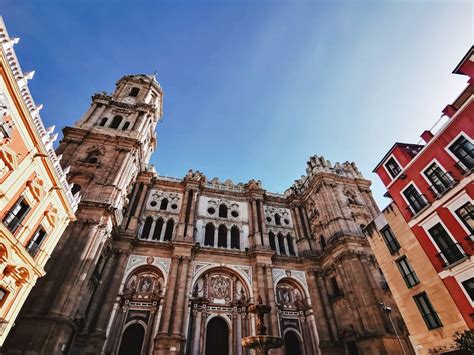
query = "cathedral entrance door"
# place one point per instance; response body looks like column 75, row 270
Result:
column 217, row 337
column 132, row 340
column 292, row 344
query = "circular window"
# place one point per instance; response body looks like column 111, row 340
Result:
column 235, row 214
column 269, row 219
column 153, row 203
column 93, row 160
column 211, row 210
column 174, row 206
column 286, row 220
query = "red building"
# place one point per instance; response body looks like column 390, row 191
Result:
column 431, row 183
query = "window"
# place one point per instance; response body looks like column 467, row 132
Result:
column 116, row 122
column 158, row 228
column 164, row 204
column 235, row 238
column 468, row 286
column 291, row 248
column 427, row 311
column 450, row 251
column 281, row 244
column 415, row 200
column 35, row 242
column 390, row 239
column 146, row 228
column 440, row 181
column 169, row 229
column 3, row 295
column 407, row 272
column 125, row 126
column 463, row 149
column 392, row 167
column 75, row 189
column 103, row 121
column 277, row 219
column 322, row 241
column 223, row 211
column 271, row 237
column 209, row 235
column 335, row 287
column 222, row 236
column 16, row 215
column 134, row 92
column 466, row 215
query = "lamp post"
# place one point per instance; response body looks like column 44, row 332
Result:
column 387, row 310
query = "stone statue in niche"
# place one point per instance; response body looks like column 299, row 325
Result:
column 146, row 284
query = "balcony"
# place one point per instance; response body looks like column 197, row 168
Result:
column 445, row 182
column 417, row 204
column 452, row 255
column 465, row 162
column 13, row 224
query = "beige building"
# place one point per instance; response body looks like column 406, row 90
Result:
column 36, row 203
column 159, row 265
column 409, row 273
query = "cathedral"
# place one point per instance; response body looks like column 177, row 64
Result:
column 160, row 265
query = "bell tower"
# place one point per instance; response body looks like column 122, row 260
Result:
column 103, row 153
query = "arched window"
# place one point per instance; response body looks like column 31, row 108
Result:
column 134, row 92
column 158, row 228
column 103, row 121
column 125, row 126
column 271, row 236
column 277, row 219
column 322, row 241
column 75, row 189
column 292, row 343
column 235, row 238
column 132, row 340
column 281, row 244
column 146, row 228
column 222, row 236
column 116, row 122
column 291, row 248
column 169, row 229
column 164, row 204
column 223, row 211
column 209, row 235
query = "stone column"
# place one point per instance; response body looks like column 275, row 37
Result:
column 274, row 330
column 163, row 230
column 182, row 216
column 322, row 324
column 197, row 315
column 260, row 283
column 152, row 229
column 251, row 226
column 327, row 305
column 179, row 305
column 257, row 234
column 264, row 227
column 216, row 236
column 169, row 296
column 228, row 238
column 285, row 242
column 190, row 226
column 238, row 333
column 96, row 115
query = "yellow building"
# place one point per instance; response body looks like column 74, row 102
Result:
column 409, row 273
column 36, row 202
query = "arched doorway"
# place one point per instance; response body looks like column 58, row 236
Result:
column 132, row 340
column 217, row 337
column 292, row 344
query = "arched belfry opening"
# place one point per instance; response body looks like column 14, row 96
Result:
column 132, row 340
column 217, row 337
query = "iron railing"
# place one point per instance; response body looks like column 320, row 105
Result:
column 416, row 206
column 451, row 254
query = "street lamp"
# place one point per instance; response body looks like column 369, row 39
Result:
column 387, row 310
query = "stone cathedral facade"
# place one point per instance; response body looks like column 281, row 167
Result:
column 158, row 265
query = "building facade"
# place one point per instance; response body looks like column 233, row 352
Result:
column 36, row 203
column 158, row 265
column 431, row 186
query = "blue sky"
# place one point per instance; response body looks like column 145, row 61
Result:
column 253, row 88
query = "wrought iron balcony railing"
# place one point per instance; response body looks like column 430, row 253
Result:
column 451, row 254
column 417, row 204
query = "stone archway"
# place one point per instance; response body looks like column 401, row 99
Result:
column 217, row 337
column 292, row 344
column 132, row 340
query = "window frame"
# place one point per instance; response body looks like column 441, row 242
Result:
column 430, row 183
column 405, row 275
column 24, row 216
column 448, row 233
column 463, row 221
column 451, row 154
column 432, row 311
column 392, row 156
column 31, row 241
column 392, row 235
column 411, row 183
